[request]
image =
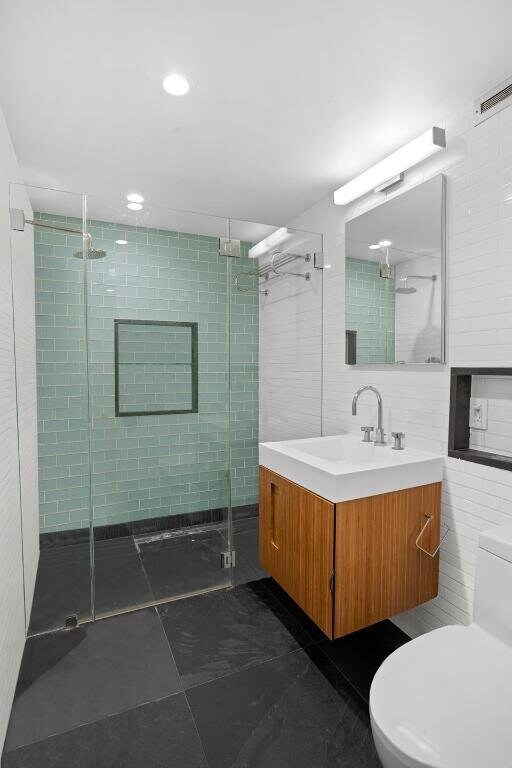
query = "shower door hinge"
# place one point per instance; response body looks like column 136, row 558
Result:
column 319, row 261
column 17, row 216
column 229, row 247
column 228, row 559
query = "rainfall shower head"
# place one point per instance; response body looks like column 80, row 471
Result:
column 404, row 288
column 92, row 253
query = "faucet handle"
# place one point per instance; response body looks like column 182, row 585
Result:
column 398, row 438
column 367, row 432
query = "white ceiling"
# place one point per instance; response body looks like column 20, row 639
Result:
column 289, row 98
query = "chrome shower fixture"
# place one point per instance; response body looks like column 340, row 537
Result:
column 405, row 288
column 18, row 222
column 92, row 253
column 385, row 268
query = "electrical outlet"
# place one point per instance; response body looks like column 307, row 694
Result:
column 478, row 413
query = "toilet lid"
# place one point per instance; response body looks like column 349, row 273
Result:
column 444, row 700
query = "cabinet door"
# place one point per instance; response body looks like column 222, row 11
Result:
column 379, row 569
column 297, row 544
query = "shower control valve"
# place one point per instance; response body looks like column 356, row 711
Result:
column 367, row 434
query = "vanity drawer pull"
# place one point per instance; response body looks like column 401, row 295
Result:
column 273, row 494
column 436, row 550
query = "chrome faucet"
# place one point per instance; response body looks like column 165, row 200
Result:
column 379, row 433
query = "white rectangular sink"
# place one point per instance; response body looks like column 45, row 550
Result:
column 342, row 467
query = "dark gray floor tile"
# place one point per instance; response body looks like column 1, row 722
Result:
column 78, row 676
column 245, row 542
column 284, row 713
column 359, row 655
column 298, row 614
column 185, row 563
column 216, row 634
column 63, row 588
column 120, row 583
column 63, row 585
column 157, row 735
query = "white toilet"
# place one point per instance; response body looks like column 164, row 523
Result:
column 444, row 700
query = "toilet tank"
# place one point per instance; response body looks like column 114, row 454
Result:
column 493, row 583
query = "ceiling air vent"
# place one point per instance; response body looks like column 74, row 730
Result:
column 493, row 101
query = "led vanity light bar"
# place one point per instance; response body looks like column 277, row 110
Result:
column 272, row 241
column 406, row 157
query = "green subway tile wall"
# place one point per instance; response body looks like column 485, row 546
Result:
column 370, row 311
column 141, row 466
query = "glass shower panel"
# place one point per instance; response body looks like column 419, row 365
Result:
column 158, row 319
column 62, row 593
column 275, row 361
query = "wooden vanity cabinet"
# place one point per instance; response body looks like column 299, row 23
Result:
column 296, row 542
column 351, row 564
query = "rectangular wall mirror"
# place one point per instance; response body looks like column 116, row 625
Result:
column 395, row 279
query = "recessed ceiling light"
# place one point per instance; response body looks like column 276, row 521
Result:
column 134, row 197
column 134, row 206
column 374, row 247
column 176, row 85
column 384, row 243
column 122, row 242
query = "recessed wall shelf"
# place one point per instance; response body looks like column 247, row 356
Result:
column 155, row 367
column 459, row 429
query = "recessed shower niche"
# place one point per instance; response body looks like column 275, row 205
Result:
column 155, row 367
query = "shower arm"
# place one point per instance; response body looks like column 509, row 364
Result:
column 18, row 222
column 432, row 278
column 61, row 228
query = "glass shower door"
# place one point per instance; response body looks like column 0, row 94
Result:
column 56, row 532
column 158, row 345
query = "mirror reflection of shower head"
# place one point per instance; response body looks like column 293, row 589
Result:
column 405, row 288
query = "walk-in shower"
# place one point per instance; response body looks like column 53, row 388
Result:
column 147, row 381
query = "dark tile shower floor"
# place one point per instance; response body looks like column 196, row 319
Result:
column 237, row 678
column 128, row 574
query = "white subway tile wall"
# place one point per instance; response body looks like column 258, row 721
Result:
column 478, row 165
column 290, row 355
column 19, row 541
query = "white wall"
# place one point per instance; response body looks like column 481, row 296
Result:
column 478, row 165
column 12, row 544
column 290, row 355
